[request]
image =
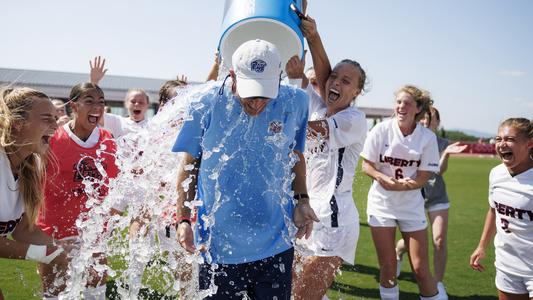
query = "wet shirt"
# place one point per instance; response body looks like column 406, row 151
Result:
column 512, row 200
column 399, row 156
column 331, row 162
column 11, row 202
column 245, row 172
column 65, row 195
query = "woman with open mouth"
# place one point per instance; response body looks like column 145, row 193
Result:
column 400, row 155
column 335, row 137
column 27, row 121
column 437, row 203
column 510, row 216
column 81, row 150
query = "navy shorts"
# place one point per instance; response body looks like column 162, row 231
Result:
column 261, row 279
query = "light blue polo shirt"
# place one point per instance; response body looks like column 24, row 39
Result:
column 245, row 172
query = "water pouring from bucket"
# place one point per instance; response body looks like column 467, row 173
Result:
column 274, row 21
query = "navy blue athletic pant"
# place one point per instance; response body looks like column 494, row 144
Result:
column 268, row 278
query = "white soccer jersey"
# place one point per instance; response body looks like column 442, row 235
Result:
column 129, row 125
column 11, row 204
column 512, row 200
column 114, row 124
column 331, row 163
column 399, row 156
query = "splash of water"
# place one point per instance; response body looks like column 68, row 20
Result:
column 146, row 191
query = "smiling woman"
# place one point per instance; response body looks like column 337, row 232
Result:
column 510, row 215
column 27, row 120
column 83, row 151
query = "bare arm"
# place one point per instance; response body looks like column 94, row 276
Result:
column 321, row 62
column 23, row 238
column 213, row 73
column 489, row 231
column 318, row 128
column 187, row 182
column 36, row 236
column 393, row 184
column 454, row 148
column 98, row 69
column 299, row 186
column 13, row 249
column 304, row 216
column 295, row 70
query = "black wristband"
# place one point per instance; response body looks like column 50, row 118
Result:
column 183, row 220
column 301, row 196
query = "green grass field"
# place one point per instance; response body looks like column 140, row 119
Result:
column 467, row 183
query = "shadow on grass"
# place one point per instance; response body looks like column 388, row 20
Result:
column 352, row 290
column 362, row 269
column 374, row 293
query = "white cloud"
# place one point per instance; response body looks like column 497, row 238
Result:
column 513, row 73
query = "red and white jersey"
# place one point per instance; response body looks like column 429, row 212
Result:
column 331, row 162
column 399, row 156
column 65, row 195
column 512, row 200
column 11, row 202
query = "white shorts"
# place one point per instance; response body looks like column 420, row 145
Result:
column 405, row 225
column 513, row 284
column 327, row 241
column 438, row 206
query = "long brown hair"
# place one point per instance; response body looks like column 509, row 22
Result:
column 15, row 105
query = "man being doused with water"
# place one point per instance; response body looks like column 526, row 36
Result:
column 243, row 152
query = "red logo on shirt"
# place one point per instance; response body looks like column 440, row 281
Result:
column 275, row 127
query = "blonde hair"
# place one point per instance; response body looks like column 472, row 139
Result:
column 422, row 98
column 135, row 91
column 15, row 105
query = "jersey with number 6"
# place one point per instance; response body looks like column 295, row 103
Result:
column 512, row 200
column 399, row 156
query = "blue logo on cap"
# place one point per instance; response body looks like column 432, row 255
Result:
column 258, row 66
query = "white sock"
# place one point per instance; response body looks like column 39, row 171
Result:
column 442, row 291
column 398, row 267
column 436, row 297
column 97, row 293
column 50, row 298
column 392, row 293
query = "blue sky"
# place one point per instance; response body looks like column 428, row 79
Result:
column 474, row 56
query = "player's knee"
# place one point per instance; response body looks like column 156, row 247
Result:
column 439, row 243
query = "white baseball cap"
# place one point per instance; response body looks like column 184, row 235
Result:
column 257, row 65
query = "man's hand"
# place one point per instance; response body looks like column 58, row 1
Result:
column 304, row 216
column 97, row 69
column 185, row 237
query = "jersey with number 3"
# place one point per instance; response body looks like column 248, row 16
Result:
column 399, row 156
column 512, row 200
